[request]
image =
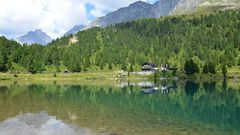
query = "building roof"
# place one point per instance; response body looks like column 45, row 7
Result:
column 149, row 64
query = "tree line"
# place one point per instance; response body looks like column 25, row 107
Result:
column 206, row 42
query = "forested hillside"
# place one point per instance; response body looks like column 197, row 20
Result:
column 6, row 49
column 173, row 40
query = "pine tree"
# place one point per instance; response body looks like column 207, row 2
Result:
column 110, row 66
column 9, row 65
column 124, row 67
column 191, row 68
column 32, row 67
column 131, row 68
column 205, row 69
column 239, row 61
column 2, row 63
column 187, row 68
column 224, row 70
column 211, row 68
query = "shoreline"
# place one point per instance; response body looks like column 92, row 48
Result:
column 108, row 79
column 111, row 76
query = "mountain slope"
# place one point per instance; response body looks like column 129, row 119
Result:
column 204, row 6
column 37, row 36
column 75, row 29
column 139, row 10
column 173, row 40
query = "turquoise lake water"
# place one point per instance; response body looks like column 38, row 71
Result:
column 143, row 108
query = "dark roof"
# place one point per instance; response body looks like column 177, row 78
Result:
column 149, row 64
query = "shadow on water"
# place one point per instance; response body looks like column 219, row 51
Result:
column 210, row 87
column 185, row 107
column 191, row 88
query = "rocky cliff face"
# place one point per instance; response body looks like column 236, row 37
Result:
column 186, row 6
column 163, row 7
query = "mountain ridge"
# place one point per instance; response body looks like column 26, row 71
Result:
column 140, row 10
column 75, row 29
column 37, row 36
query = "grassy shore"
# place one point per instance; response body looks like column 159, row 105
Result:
column 72, row 76
column 96, row 78
column 108, row 79
column 110, row 76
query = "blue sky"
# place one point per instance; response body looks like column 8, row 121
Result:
column 54, row 17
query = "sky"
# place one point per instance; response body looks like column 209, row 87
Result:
column 55, row 17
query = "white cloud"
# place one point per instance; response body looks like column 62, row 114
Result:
column 54, row 17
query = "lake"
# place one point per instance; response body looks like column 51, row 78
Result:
column 142, row 108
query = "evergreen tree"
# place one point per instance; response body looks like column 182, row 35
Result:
column 9, row 65
column 2, row 63
column 190, row 67
column 211, row 68
column 58, row 69
column 239, row 61
column 32, row 67
column 187, row 68
column 205, row 69
column 124, row 67
column 101, row 64
column 224, row 70
column 110, row 66
column 131, row 68
column 195, row 67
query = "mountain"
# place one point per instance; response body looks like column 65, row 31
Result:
column 204, row 6
column 37, row 36
column 172, row 40
column 140, row 9
column 75, row 30
column 134, row 11
column 137, row 10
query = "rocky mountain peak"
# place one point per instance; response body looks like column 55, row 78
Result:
column 140, row 4
column 37, row 36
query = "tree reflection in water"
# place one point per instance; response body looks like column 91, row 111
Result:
column 208, row 107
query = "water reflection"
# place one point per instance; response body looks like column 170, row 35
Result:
column 149, row 89
column 209, row 86
column 153, row 87
column 39, row 124
column 166, row 107
column 191, row 88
